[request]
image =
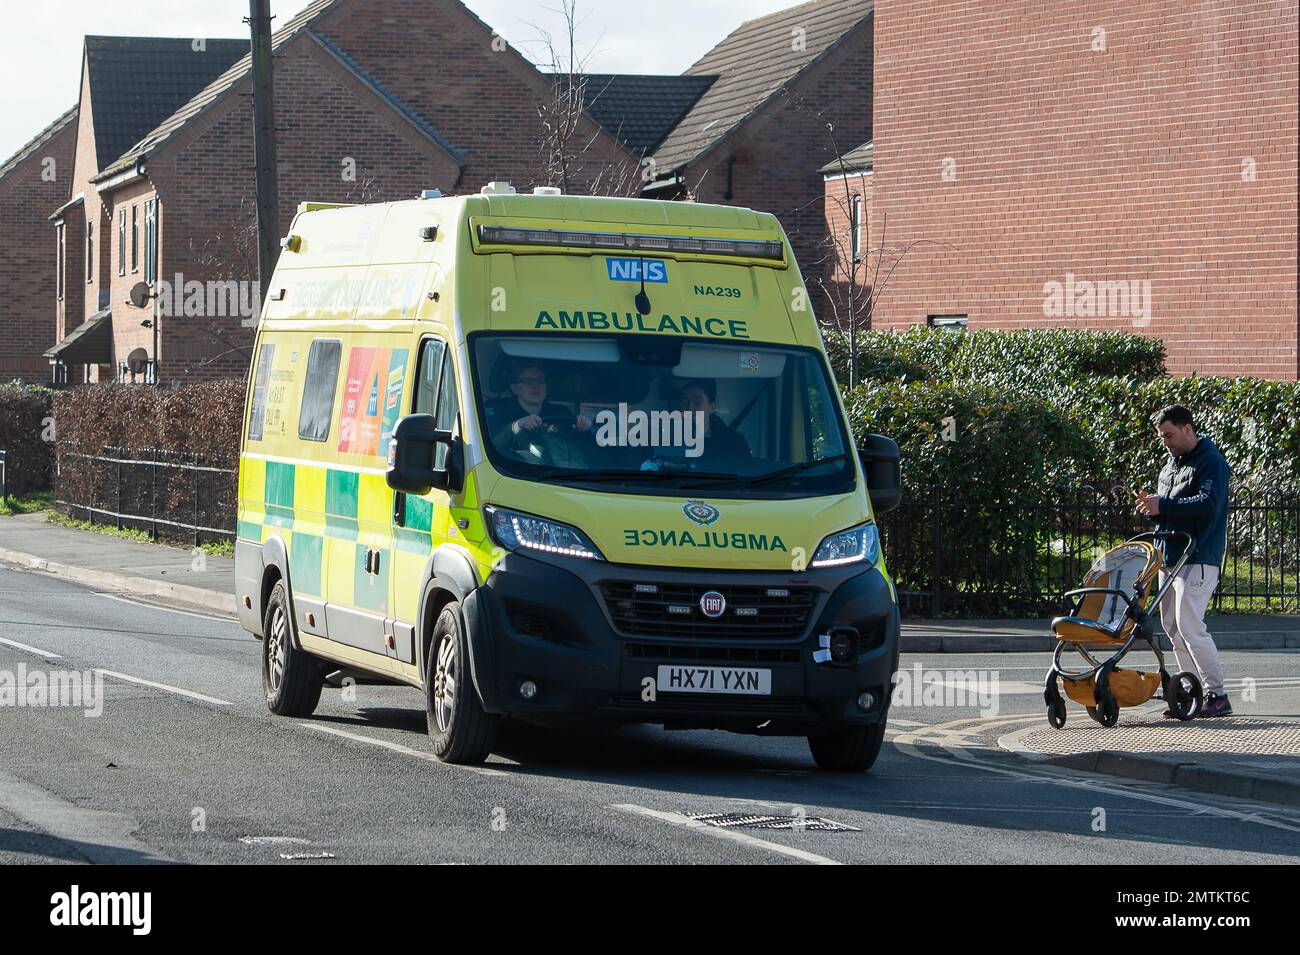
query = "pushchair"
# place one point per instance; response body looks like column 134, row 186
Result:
column 1114, row 609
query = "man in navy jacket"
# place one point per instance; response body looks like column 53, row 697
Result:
column 1192, row 497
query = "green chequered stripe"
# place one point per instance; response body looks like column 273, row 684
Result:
column 306, row 550
column 341, row 504
column 278, row 493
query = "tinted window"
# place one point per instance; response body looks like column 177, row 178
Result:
column 318, row 391
column 261, row 382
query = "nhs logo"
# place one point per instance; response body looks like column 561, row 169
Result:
column 629, row 270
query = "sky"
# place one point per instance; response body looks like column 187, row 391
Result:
column 40, row 47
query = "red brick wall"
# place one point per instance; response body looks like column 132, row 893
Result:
column 840, row 193
column 205, row 183
column 441, row 60
column 28, row 309
column 1169, row 156
column 780, row 149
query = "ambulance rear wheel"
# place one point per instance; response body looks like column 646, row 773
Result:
column 853, row 750
column 291, row 678
column 460, row 729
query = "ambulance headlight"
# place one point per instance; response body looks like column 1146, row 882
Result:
column 516, row 531
column 859, row 544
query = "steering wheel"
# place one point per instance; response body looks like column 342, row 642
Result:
column 557, row 443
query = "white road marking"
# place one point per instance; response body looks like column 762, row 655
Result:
column 36, row 650
column 398, row 748
column 1069, row 779
column 731, row 835
column 149, row 606
column 164, row 686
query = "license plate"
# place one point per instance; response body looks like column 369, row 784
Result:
column 714, row 680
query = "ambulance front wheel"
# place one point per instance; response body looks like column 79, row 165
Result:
column 460, row 729
column 292, row 679
column 852, row 750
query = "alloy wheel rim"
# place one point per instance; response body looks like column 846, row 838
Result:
column 444, row 684
column 276, row 650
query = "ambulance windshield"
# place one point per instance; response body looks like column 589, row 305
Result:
column 641, row 412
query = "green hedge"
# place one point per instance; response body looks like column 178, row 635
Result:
column 27, row 437
column 1034, row 358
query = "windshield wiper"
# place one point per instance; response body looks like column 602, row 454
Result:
column 628, row 474
column 791, row 471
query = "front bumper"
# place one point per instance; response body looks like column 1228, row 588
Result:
column 549, row 622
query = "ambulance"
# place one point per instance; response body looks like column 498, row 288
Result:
column 563, row 459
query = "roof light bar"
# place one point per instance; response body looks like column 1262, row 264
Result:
column 746, row 248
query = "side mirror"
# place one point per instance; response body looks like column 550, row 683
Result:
column 884, row 471
column 413, row 452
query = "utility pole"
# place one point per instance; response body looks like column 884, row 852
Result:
column 268, row 199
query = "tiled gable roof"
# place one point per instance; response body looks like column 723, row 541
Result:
column 638, row 110
column 37, row 141
column 137, row 82
column 753, row 64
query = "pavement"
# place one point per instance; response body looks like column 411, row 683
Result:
column 1254, row 755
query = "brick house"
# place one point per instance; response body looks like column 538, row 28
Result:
column 32, row 182
column 848, row 184
column 406, row 95
column 1039, row 150
column 128, row 84
column 758, row 135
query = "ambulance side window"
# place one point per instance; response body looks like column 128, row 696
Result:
column 428, row 375
column 261, row 384
column 318, row 390
column 435, row 390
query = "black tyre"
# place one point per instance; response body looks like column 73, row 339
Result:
column 291, row 678
column 1056, row 713
column 460, row 729
column 1186, row 690
column 1092, row 712
column 853, row 750
column 1107, row 711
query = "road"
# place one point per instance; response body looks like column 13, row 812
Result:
column 185, row 764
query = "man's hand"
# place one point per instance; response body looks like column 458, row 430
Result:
column 1148, row 504
column 531, row 423
column 583, row 423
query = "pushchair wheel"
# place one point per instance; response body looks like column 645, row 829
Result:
column 1092, row 712
column 1107, row 711
column 1185, row 688
column 1056, row 713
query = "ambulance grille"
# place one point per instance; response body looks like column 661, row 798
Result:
column 673, row 610
column 674, row 651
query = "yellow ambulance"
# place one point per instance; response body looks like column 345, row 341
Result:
column 562, row 459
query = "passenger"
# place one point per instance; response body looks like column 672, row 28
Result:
column 525, row 411
column 701, row 395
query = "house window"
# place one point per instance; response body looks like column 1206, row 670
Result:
column 151, row 241
column 121, row 242
column 62, row 257
column 953, row 323
column 90, row 251
column 135, row 238
column 856, row 228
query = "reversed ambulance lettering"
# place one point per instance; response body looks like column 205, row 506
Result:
column 738, row 540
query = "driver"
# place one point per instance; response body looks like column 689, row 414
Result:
column 701, row 395
column 524, row 411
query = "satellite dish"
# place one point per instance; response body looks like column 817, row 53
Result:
column 139, row 294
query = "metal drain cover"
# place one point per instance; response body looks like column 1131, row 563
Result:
column 746, row 820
